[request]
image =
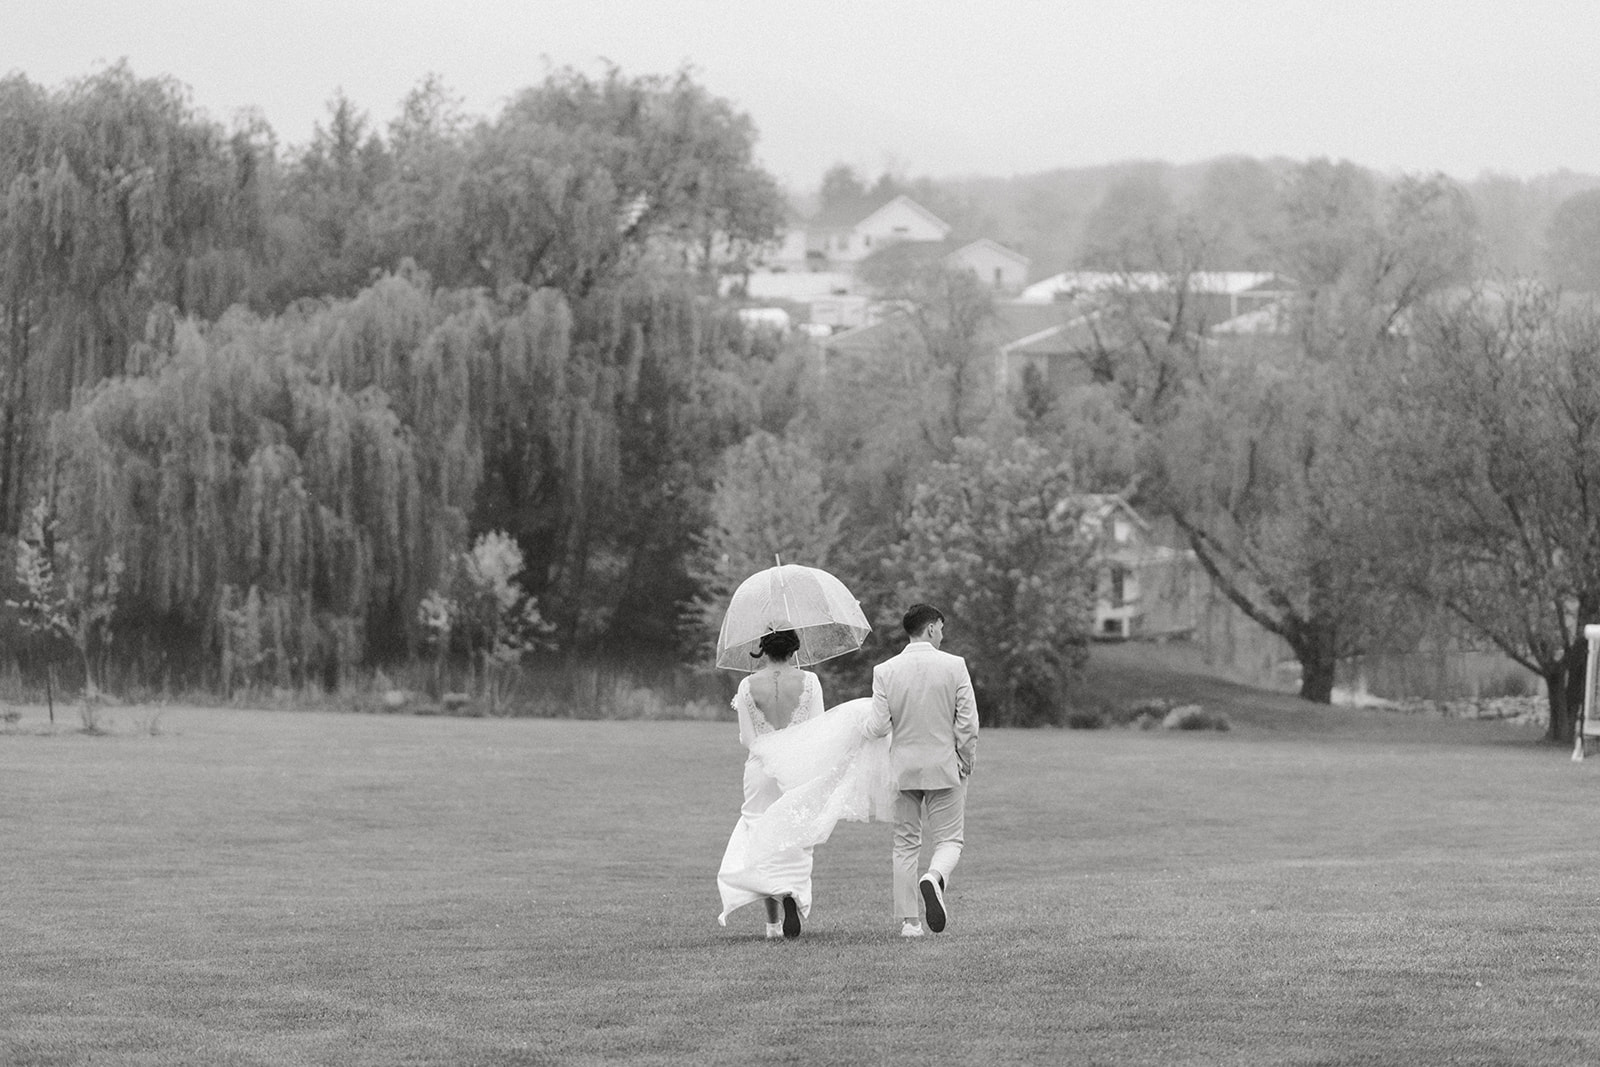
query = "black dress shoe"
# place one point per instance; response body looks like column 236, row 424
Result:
column 932, row 887
column 791, row 918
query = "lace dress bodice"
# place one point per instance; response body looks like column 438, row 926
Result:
column 753, row 724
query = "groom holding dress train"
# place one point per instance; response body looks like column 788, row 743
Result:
column 926, row 696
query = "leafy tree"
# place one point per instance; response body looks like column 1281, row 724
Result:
column 1330, row 222
column 1492, row 441
column 1259, row 465
column 66, row 594
column 1513, row 216
column 1572, row 243
column 1364, row 257
column 1132, row 227
column 118, row 197
column 768, row 504
column 243, row 470
column 1235, row 211
column 486, row 611
column 995, row 538
column 324, row 231
column 419, row 210
column 940, row 319
column 841, row 187
column 1089, row 429
column 1255, row 449
column 579, row 177
column 884, row 416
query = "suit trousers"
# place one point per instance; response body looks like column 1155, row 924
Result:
column 941, row 814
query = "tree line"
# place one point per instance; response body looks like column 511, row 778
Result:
column 1406, row 450
column 305, row 381
column 460, row 390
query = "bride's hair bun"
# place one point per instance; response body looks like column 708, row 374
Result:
column 779, row 644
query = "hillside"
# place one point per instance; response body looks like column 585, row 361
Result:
column 1120, row 674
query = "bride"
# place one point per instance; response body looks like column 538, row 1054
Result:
column 806, row 769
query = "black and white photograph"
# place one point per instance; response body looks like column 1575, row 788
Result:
column 539, row 533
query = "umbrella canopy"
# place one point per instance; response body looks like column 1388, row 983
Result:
column 811, row 602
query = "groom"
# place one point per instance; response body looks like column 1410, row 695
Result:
column 926, row 695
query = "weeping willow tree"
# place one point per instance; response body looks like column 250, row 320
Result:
column 115, row 195
column 678, row 381
column 285, row 491
column 252, row 504
column 516, row 416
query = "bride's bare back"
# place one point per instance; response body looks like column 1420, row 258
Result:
column 777, row 693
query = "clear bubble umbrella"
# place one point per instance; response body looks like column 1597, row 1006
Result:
column 813, row 603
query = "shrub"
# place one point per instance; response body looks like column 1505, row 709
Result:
column 1138, row 712
column 643, row 702
column 997, row 539
column 637, row 702
column 1194, row 717
column 1086, row 719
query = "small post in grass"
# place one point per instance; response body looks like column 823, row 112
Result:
column 1587, row 725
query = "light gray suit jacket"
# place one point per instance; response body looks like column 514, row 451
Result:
column 926, row 695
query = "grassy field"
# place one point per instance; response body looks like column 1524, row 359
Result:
column 1316, row 886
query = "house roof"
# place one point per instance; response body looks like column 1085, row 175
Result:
column 1095, row 508
column 844, row 216
column 1036, row 328
column 906, row 201
column 915, row 253
column 1099, row 506
column 1273, row 318
column 854, row 213
column 1074, row 335
column 1222, row 282
column 1076, row 330
column 993, row 246
column 905, row 254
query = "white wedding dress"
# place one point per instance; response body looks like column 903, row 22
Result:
column 799, row 781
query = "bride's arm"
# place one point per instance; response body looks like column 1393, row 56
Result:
column 741, row 706
column 817, row 704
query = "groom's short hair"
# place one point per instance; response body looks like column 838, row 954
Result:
column 919, row 616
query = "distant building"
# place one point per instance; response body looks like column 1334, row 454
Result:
column 825, row 262
column 1218, row 296
column 1143, row 588
column 849, row 233
column 1001, row 268
column 1015, row 335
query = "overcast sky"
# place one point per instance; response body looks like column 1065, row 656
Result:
column 935, row 87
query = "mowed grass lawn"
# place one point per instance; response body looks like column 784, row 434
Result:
column 1317, row 886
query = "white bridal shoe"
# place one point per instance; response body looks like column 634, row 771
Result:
column 910, row 929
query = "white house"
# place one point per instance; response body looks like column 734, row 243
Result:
column 993, row 263
column 849, row 233
column 821, row 262
column 1142, row 588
